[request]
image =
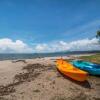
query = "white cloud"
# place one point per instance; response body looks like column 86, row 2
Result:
column 41, row 47
column 9, row 46
column 85, row 44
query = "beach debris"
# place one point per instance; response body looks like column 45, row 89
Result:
column 24, row 61
column 41, row 67
column 23, row 77
column 31, row 67
column 37, row 90
column 32, row 71
column 6, row 90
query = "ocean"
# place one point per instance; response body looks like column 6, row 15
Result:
column 40, row 55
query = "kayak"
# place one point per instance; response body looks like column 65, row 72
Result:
column 69, row 70
column 91, row 68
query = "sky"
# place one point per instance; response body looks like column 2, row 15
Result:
column 29, row 26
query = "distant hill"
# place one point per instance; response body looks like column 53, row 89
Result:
column 63, row 53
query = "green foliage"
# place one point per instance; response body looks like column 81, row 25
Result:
column 98, row 34
column 93, row 58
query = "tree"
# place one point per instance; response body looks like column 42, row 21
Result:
column 98, row 35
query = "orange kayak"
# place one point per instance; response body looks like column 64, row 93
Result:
column 69, row 70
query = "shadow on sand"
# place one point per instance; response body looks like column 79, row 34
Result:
column 84, row 84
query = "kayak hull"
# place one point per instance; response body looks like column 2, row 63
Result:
column 69, row 70
column 93, row 69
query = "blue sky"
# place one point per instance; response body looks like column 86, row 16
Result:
column 48, row 21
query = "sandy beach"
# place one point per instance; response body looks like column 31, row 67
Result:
column 38, row 79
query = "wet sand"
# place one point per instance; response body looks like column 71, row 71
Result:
column 38, row 79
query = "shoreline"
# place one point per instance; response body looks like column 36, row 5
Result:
column 50, row 57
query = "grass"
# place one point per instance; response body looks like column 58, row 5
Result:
column 93, row 58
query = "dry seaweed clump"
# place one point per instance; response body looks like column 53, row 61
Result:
column 15, row 61
column 41, row 67
column 6, row 90
column 31, row 67
column 29, row 75
column 32, row 72
column 23, row 77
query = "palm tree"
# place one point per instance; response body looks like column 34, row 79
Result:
column 98, row 35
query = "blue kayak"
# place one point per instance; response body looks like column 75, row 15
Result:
column 91, row 68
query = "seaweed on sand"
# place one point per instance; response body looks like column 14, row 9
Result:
column 24, row 61
column 7, row 89
column 23, row 77
column 32, row 67
column 32, row 71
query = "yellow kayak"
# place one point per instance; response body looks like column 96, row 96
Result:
column 69, row 70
